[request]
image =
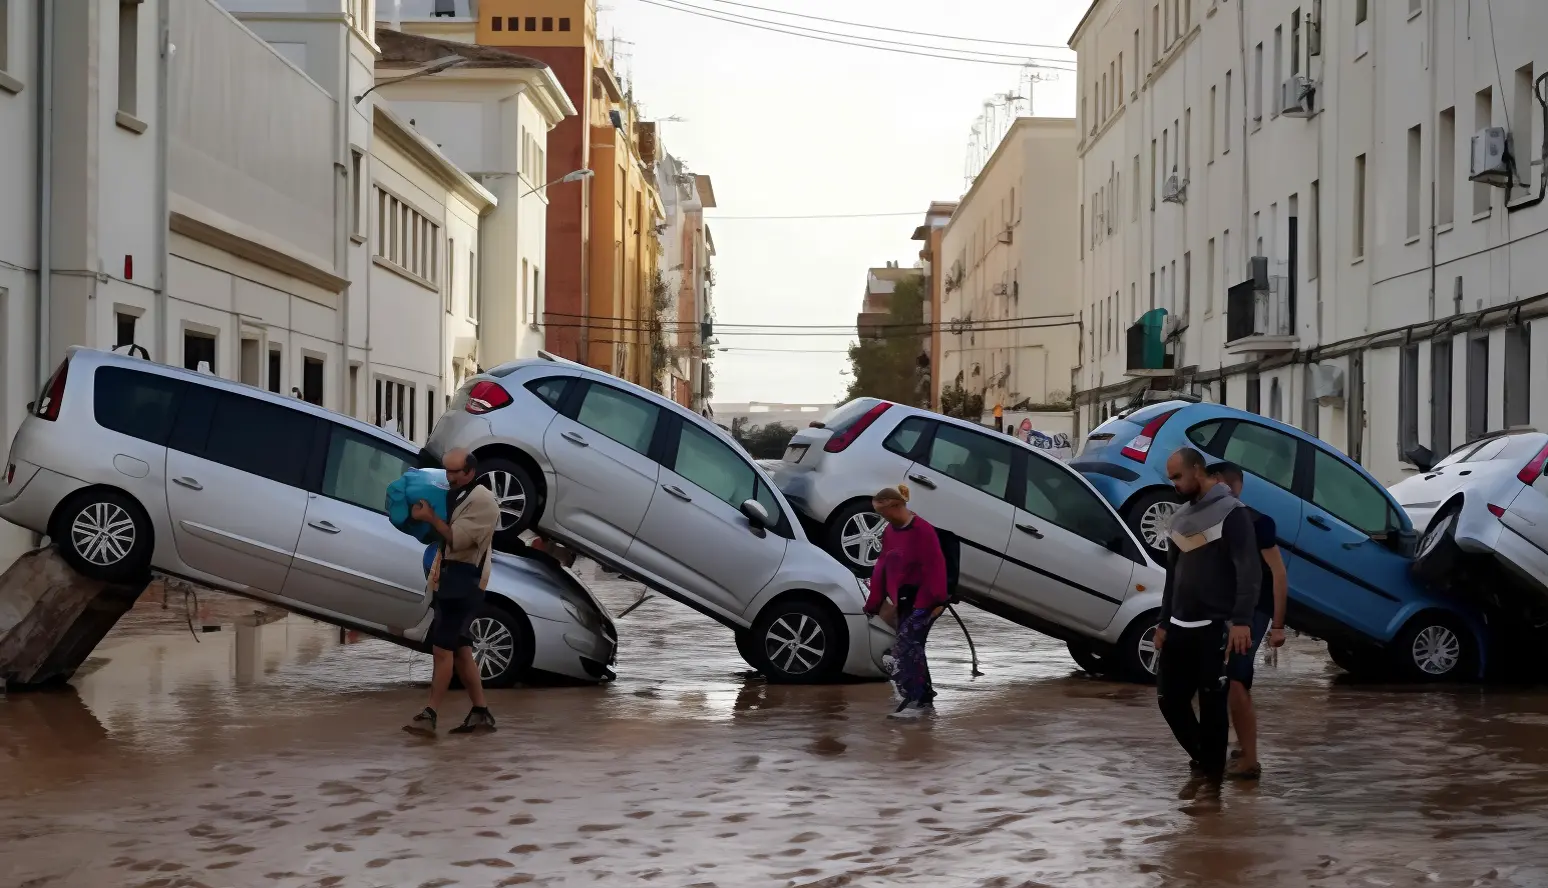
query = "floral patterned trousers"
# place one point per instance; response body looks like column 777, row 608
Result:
column 913, row 673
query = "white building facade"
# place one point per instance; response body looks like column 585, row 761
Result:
column 1289, row 180
column 1010, row 272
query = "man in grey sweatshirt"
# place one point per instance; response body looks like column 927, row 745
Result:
column 1212, row 580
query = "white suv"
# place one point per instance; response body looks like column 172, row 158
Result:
column 656, row 492
column 1040, row 546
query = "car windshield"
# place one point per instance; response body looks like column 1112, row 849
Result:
column 1507, row 446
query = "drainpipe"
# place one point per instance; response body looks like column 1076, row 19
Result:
column 45, row 188
column 342, row 220
column 163, row 142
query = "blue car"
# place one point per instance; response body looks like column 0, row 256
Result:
column 1348, row 546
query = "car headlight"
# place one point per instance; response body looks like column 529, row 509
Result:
column 582, row 616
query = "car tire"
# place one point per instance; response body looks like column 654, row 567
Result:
column 748, row 650
column 502, row 643
column 854, row 537
column 1357, row 663
column 1136, row 656
column 1437, row 555
column 1148, row 515
column 517, row 495
column 798, row 641
column 1086, row 657
column 1434, row 647
column 105, row 535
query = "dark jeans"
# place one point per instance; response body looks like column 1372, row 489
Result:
column 1193, row 665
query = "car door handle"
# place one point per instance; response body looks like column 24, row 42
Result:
column 1319, row 522
column 324, row 526
column 677, row 492
column 575, row 438
column 922, row 481
column 189, row 483
column 1027, row 528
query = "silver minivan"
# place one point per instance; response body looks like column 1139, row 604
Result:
column 129, row 465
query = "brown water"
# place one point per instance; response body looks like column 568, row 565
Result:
column 271, row 755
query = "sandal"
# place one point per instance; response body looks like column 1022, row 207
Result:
column 1253, row 773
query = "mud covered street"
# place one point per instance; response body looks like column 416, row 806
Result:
column 268, row 753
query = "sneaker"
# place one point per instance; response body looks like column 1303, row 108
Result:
column 423, row 723
column 906, row 710
column 479, row 721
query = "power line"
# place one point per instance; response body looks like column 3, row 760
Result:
column 913, row 331
column 820, row 216
column 831, row 21
column 814, row 36
column 721, row 326
column 739, row 350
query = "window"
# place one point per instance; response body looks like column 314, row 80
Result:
column 1279, row 68
column 537, row 297
column 128, row 55
column 973, row 458
column 1268, row 454
column 1254, row 395
column 392, row 407
column 1257, row 83
column 1155, row 34
column 496, row 23
column 717, row 469
column 249, row 368
column 1204, row 434
column 1408, row 399
column 1214, row 124
column 1440, row 396
column 564, row 24
column 548, row 23
column 1314, row 236
column 1155, row 183
column 1295, row 42
column 1225, row 138
column 1120, row 78
column 531, row 23
column 1209, row 279
column 356, row 225
column 1446, row 188
column 1357, row 224
column 354, row 390
column 1185, row 150
column 1055, row 494
column 1414, row 7
column 475, row 307
column 360, row 467
column 260, row 438
column 430, row 408
column 1413, row 181
column 275, row 364
column 1518, row 375
column 1477, row 387
column 5, row 34
column 1483, row 115
column 405, row 238
column 140, row 405
column 1136, row 57
column 1311, row 423
column 526, row 297
column 1134, row 213
column 449, row 289
column 1276, row 400
column 906, row 436
column 550, row 390
column 126, row 323
column 1187, row 287
column 197, row 348
column 1362, row 11
column 624, row 418
column 1347, row 496
column 1525, row 137
column 312, row 380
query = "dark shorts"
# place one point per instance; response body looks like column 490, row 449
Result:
column 453, row 617
column 1239, row 667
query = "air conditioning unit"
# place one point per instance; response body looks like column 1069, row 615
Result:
column 1001, row 290
column 1491, row 157
column 1005, row 236
column 1174, row 190
column 1173, row 325
column 1327, row 383
column 1298, row 97
column 1257, row 270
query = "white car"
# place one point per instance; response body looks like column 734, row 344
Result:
column 1039, row 545
column 658, row 493
column 129, row 466
column 1486, row 498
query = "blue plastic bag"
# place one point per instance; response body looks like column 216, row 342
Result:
column 430, row 552
column 415, row 485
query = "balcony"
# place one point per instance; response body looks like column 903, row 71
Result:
column 1146, row 351
column 1258, row 320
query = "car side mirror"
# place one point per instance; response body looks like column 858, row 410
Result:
column 1422, row 457
column 31, row 405
column 756, row 514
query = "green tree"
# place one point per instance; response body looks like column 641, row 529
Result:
column 892, row 365
column 762, row 442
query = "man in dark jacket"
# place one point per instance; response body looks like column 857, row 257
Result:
column 1212, row 580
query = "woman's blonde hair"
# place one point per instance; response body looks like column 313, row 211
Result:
column 897, row 494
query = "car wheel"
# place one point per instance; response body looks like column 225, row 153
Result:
column 798, row 641
column 105, row 535
column 748, row 648
column 1137, row 655
column 1434, row 647
column 1437, row 555
column 1357, row 663
column 1150, row 517
column 1088, row 659
column 854, row 537
column 516, row 494
column 502, row 644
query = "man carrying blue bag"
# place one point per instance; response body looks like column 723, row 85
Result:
column 458, row 579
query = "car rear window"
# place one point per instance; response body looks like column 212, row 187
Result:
column 842, row 418
column 135, row 403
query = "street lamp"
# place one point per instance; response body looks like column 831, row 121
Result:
column 441, row 64
column 575, row 176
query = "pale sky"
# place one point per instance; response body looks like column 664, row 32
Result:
column 792, row 126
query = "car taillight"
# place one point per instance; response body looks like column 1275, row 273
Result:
column 486, row 396
column 1139, row 447
column 1534, row 469
column 10, row 473
column 53, row 397
column 1497, row 511
column 837, row 443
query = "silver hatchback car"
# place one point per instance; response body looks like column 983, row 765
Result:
column 130, row 466
column 660, row 494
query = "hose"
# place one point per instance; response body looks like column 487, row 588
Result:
column 972, row 651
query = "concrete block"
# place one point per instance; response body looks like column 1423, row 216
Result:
column 51, row 618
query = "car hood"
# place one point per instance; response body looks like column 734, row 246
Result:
column 538, row 582
column 1428, row 490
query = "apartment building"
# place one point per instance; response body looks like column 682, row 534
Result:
column 929, row 234
column 1326, row 212
column 688, row 273
column 1009, row 311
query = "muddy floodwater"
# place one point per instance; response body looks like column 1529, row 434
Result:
column 268, row 753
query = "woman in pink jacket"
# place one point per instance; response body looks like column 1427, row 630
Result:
column 911, row 573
